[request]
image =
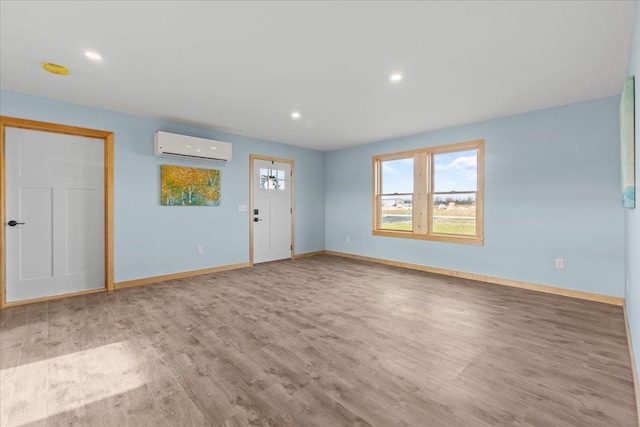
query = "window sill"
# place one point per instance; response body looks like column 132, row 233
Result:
column 471, row 240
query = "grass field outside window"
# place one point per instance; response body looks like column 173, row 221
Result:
column 431, row 194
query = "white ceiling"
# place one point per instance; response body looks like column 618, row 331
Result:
column 243, row 67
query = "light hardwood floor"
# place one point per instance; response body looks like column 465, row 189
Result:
column 320, row 341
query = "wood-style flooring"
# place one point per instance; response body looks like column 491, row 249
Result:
column 320, row 341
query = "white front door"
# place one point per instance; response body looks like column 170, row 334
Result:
column 271, row 210
column 55, row 194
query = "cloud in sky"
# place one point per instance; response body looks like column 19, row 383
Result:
column 460, row 163
column 457, row 171
column 397, row 176
column 387, row 168
column 400, row 166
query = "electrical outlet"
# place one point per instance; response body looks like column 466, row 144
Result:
column 199, row 250
column 348, row 239
column 559, row 263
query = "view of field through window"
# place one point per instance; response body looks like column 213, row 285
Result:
column 397, row 194
column 454, row 214
column 455, row 183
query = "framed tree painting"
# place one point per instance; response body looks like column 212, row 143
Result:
column 184, row 186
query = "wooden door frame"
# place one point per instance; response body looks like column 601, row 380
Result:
column 253, row 157
column 107, row 137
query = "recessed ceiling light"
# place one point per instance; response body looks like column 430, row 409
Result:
column 188, row 146
column 57, row 69
column 94, row 56
column 295, row 115
column 199, row 150
column 395, row 77
column 213, row 148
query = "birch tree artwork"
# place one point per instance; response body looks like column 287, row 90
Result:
column 184, row 186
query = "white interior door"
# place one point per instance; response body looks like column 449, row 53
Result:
column 271, row 210
column 55, row 192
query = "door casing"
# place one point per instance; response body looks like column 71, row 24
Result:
column 253, row 157
column 107, row 137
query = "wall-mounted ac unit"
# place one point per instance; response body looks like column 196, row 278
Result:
column 189, row 147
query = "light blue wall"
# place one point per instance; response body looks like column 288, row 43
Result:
column 632, row 217
column 152, row 240
column 552, row 190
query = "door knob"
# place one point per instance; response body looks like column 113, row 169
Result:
column 256, row 219
column 13, row 223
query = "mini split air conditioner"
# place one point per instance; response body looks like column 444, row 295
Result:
column 189, row 147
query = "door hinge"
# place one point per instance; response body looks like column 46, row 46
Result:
column 291, row 210
column 291, row 247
